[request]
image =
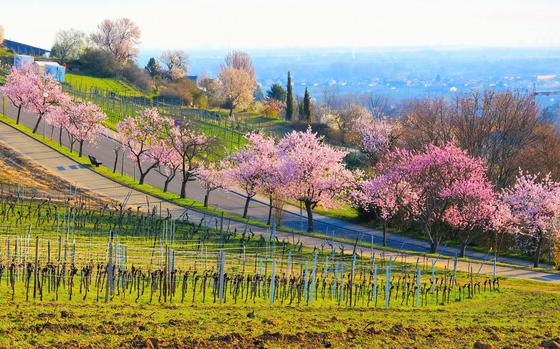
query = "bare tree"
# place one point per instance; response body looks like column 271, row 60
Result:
column 68, row 44
column 426, row 122
column 176, row 62
column 120, row 37
column 242, row 61
column 378, row 105
column 496, row 126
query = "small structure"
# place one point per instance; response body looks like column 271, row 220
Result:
column 21, row 61
column 57, row 71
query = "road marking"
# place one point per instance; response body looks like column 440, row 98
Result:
column 60, row 168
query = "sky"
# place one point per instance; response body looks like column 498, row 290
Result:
column 249, row 24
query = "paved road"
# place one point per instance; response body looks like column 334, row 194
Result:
column 230, row 201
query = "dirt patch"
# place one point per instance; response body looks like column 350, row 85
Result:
column 18, row 171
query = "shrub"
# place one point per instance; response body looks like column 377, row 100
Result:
column 183, row 91
column 99, row 63
column 139, row 77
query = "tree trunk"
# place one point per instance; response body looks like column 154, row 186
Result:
column 142, row 177
column 269, row 210
column 384, row 233
column 81, row 147
column 206, row 198
column 309, row 210
column 434, row 246
column 166, row 184
column 18, row 114
column 37, row 123
column 538, row 251
column 116, row 160
column 60, row 136
column 71, row 146
column 184, row 187
column 246, row 206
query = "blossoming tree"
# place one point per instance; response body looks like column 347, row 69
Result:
column 439, row 187
column 189, row 145
column 169, row 161
column 19, row 87
column 83, row 123
column 313, row 172
column 535, row 208
column 211, row 178
column 377, row 136
column 140, row 135
column 249, row 167
column 45, row 96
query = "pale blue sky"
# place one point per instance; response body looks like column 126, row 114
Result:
column 296, row 23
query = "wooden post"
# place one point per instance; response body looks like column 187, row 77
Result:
column 418, row 284
column 36, row 271
column 222, row 259
column 273, row 282
column 109, row 269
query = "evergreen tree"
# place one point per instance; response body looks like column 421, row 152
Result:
column 289, row 99
column 307, row 106
column 277, row 92
column 154, row 68
column 299, row 103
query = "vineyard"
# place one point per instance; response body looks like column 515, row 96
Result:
column 67, row 250
column 62, row 254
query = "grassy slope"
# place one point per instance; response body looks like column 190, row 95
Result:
column 117, row 86
column 520, row 315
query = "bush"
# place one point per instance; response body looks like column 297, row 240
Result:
column 98, row 63
column 139, row 77
column 183, row 91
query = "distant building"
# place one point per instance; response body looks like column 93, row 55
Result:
column 24, row 49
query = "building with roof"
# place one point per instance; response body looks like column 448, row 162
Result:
column 24, row 49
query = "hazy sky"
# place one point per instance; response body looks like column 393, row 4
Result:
column 296, row 23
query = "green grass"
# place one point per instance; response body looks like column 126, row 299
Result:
column 5, row 53
column 114, row 85
column 345, row 212
column 521, row 315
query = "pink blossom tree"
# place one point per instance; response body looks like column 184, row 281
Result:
column 535, row 208
column 140, row 136
column 83, row 123
column 58, row 118
column 385, row 194
column 211, row 177
column 248, row 167
column 19, row 87
column 45, row 97
column 270, row 181
column 169, row 161
column 313, row 172
column 189, row 145
column 442, row 186
column 377, row 136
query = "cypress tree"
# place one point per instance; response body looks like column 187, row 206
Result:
column 307, row 106
column 289, row 99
